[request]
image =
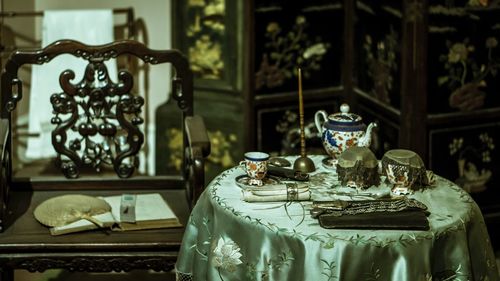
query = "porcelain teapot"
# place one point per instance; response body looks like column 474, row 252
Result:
column 342, row 130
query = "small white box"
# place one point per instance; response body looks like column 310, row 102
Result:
column 127, row 208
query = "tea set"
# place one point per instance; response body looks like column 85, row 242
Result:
column 346, row 139
column 342, row 130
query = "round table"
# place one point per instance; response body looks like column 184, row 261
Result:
column 229, row 239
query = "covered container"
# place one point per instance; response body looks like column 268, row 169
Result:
column 342, row 130
column 358, row 167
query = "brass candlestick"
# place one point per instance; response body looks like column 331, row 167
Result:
column 303, row 163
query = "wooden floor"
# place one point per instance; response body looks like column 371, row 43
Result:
column 58, row 275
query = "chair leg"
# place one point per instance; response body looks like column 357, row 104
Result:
column 6, row 274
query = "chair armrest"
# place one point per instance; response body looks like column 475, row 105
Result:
column 198, row 149
column 4, row 133
column 197, row 134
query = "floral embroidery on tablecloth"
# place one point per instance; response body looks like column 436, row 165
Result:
column 270, row 266
column 373, row 275
column 329, row 270
column 451, row 274
column 226, row 256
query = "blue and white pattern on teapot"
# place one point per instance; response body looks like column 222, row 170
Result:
column 342, row 130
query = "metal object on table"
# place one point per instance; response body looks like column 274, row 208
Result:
column 303, row 163
column 288, row 173
column 369, row 195
column 279, row 162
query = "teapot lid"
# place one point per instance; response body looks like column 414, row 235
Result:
column 344, row 115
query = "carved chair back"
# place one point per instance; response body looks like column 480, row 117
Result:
column 96, row 121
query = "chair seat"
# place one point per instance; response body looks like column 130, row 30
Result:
column 117, row 250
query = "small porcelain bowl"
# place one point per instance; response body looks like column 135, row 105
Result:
column 405, row 170
column 358, row 167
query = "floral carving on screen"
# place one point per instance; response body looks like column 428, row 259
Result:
column 466, row 77
column 381, row 60
column 287, row 49
column 287, row 128
column 206, row 34
column 472, row 162
column 220, row 149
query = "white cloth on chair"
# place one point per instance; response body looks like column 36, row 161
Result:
column 92, row 27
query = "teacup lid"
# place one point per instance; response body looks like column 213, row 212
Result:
column 358, row 167
column 404, row 157
column 349, row 157
column 344, row 115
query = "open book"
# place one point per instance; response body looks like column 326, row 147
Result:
column 151, row 211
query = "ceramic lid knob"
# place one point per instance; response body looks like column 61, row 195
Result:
column 345, row 116
column 344, row 108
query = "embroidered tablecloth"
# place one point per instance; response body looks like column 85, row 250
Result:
column 229, row 239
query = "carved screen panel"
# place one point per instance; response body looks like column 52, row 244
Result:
column 293, row 33
column 385, row 135
column 468, row 156
column 378, row 49
column 279, row 132
column 210, row 33
column 463, row 55
column 223, row 128
column 206, row 31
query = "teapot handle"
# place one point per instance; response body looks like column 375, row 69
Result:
column 319, row 118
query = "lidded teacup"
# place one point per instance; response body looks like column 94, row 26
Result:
column 358, row 167
column 405, row 170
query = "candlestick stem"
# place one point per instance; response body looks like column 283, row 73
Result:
column 303, row 163
column 301, row 117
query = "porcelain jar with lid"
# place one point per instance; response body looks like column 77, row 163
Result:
column 406, row 171
column 342, row 130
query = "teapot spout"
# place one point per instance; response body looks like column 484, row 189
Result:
column 367, row 137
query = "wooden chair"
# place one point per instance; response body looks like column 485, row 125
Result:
column 25, row 243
